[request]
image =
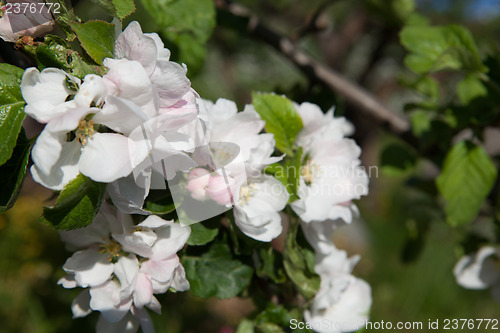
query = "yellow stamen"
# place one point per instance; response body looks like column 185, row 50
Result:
column 246, row 193
column 308, row 172
column 84, row 131
column 113, row 248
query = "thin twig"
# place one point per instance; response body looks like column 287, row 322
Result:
column 352, row 92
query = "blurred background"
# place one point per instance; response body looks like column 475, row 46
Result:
column 410, row 274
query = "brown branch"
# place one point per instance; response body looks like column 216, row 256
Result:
column 352, row 92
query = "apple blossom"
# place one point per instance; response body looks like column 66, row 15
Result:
column 124, row 265
column 331, row 175
column 480, row 270
column 18, row 23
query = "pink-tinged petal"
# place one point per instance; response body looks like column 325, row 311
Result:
column 121, row 115
column 170, row 240
column 80, row 306
column 197, row 184
column 134, row 45
column 128, row 79
column 68, row 281
column 219, row 189
column 128, row 324
column 90, row 267
column 163, row 53
column 170, row 81
column 143, row 291
column 45, row 92
column 108, row 157
column 17, row 23
column 161, row 270
column 106, row 299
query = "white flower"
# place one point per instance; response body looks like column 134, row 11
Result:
column 168, row 78
column 256, row 209
column 234, row 157
column 331, row 175
column 14, row 24
column 46, row 93
column 480, row 270
column 319, row 126
column 124, row 265
column 348, row 314
column 342, row 300
column 144, row 98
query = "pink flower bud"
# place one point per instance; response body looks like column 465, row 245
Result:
column 219, row 190
column 30, row 19
column 198, row 180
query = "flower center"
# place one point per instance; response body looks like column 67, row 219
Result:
column 85, row 130
column 308, row 171
column 113, row 248
column 246, row 193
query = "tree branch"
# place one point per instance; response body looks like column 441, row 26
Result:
column 353, row 93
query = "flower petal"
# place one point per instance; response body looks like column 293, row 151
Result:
column 80, row 306
column 128, row 324
column 90, row 267
column 106, row 299
column 170, row 81
column 134, row 45
column 45, row 92
column 108, row 157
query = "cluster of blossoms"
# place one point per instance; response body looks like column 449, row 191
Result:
column 331, row 178
column 480, row 270
column 141, row 124
column 122, row 265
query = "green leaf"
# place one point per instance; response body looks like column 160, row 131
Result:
column 469, row 88
column 158, row 209
column 299, row 264
column 124, row 8
column 187, row 23
column 203, row 232
column 288, row 174
column 436, row 48
column 281, row 117
column 216, row 273
column 11, row 109
column 420, row 122
column 398, row 158
column 56, row 52
column 270, row 264
column 77, row 204
column 277, row 319
column 97, row 38
column 13, row 172
column 245, row 326
column 467, row 178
